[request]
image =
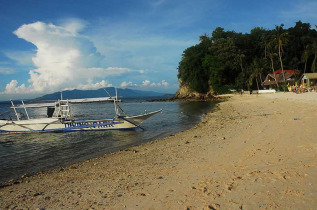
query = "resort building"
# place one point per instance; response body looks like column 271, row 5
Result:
column 272, row 80
column 309, row 80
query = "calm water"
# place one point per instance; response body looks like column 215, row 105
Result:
column 31, row 153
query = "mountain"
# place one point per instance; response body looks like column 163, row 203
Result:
column 125, row 93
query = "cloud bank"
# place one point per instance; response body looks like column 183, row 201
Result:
column 64, row 60
column 145, row 83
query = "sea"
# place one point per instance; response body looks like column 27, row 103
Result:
column 32, row 153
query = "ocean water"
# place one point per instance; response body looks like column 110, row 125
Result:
column 32, row 153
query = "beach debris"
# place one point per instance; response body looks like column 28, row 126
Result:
column 37, row 194
column 160, row 177
column 223, row 138
column 230, row 186
column 24, row 176
column 296, row 118
column 263, row 115
column 11, row 206
column 239, row 122
column 213, row 206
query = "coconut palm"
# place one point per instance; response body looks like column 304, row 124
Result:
column 305, row 56
column 281, row 39
column 239, row 59
column 314, row 50
column 265, row 42
column 271, row 54
column 256, row 70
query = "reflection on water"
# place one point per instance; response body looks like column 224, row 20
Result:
column 30, row 153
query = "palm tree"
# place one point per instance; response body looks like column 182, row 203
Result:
column 306, row 55
column 314, row 49
column 280, row 37
column 265, row 42
column 256, row 72
column 271, row 55
column 239, row 59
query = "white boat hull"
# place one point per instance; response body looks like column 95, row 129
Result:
column 56, row 125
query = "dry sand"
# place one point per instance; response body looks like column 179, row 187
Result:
column 252, row 152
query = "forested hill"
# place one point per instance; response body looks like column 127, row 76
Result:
column 229, row 59
column 126, row 93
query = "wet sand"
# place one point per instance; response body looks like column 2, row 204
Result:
column 251, row 152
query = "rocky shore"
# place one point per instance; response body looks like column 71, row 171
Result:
column 251, row 152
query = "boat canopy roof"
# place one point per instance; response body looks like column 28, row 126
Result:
column 89, row 100
column 73, row 101
column 39, row 105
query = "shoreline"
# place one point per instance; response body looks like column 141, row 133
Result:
column 240, row 156
column 190, row 99
column 29, row 174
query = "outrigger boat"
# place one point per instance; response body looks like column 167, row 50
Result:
column 59, row 118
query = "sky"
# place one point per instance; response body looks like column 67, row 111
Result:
column 48, row 46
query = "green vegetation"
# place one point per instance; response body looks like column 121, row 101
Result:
column 234, row 60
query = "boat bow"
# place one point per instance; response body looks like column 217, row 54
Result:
column 138, row 119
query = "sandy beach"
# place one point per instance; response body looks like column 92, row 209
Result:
column 252, row 151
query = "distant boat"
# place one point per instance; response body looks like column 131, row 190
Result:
column 59, row 118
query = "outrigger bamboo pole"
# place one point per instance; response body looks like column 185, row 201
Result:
column 26, row 112
column 15, row 111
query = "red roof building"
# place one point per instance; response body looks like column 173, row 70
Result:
column 288, row 71
column 278, row 78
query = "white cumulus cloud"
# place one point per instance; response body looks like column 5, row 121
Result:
column 146, row 83
column 93, row 86
column 159, row 84
column 64, row 59
column 13, row 88
column 128, row 84
column 164, row 83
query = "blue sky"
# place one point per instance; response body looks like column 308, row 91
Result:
column 48, row 46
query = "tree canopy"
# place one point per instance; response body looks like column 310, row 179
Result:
column 228, row 59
